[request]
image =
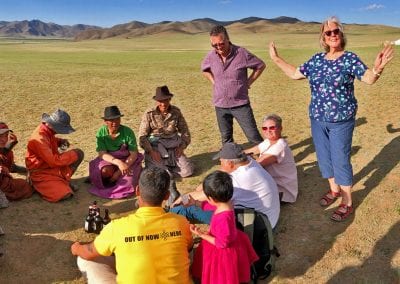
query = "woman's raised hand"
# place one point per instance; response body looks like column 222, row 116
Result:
column 272, row 50
column 383, row 58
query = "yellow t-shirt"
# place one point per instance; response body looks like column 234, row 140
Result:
column 150, row 246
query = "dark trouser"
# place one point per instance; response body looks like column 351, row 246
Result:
column 245, row 118
column 74, row 166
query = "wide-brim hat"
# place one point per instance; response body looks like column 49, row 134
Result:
column 112, row 112
column 162, row 93
column 230, row 151
column 4, row 128
column 59, row 120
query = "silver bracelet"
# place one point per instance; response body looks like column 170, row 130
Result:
column 376, row 73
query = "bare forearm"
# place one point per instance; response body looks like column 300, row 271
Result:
column 107, row 157
column 265, row 160
column 209, row 76
column 290, row 70
column 370, row 77
column 253, row 150
column 208, row 238
column 254, row 76
column 86, row 251
column 132, row 158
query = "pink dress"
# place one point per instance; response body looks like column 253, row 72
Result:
column 229, row 261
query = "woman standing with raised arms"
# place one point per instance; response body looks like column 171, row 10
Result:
column 333, row 106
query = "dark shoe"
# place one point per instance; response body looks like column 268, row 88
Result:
column 74, row 187
column 4, row 203
column 18, row 169
column 173, row 193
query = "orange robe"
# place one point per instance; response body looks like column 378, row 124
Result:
column 13, row 188
column 49, row 170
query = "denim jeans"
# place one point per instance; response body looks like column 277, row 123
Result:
column 193, row 213
column 332, row 141
column 245, row 118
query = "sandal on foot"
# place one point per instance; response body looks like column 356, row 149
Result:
column 329, row 198
column 342, row 213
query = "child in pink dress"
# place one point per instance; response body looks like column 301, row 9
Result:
column 225, row 253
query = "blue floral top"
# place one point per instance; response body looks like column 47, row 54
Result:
column 332, row 86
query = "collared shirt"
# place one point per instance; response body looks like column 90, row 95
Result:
column 284, row 171
column 230, row 78
column 332, row 86
column 154, row 123
column 150, row 246
column 106, row 143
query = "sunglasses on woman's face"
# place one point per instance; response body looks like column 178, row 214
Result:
column 334, row 32
column 266, row 128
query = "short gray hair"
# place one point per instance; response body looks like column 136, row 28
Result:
column 272, row 116
column 343, row 40
column 238, row 160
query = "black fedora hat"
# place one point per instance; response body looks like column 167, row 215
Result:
column 59, row 120
column 162, row 93
column 111, row 112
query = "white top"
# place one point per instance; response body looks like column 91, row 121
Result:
column 284, row 170
column 255, row 188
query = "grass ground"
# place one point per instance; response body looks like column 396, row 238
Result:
column 38, row 76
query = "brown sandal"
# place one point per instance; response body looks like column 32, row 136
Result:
column 339, row 215
column 329, row 198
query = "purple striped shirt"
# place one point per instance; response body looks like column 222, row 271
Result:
column 230, row 78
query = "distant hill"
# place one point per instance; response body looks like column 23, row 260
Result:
column 134, row 29
column 39, row 28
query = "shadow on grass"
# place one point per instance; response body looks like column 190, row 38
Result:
column 304, row 236
column 38, row 235
column 203, row 162
column 308, row 143
column 378, row 266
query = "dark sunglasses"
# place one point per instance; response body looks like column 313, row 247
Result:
column 334, row 32
column 265, row 128
column 215, row 45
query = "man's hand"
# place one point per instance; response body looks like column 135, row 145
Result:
column 75, row 248
column 4, row 170
column 123, row 168
column 64, row 144
column 12, row 138
column 155, row 155
column 178, row 152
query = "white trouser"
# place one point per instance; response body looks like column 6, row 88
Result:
column 98, row 271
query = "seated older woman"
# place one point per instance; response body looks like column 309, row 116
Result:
column 115, row 172
column 277, row 158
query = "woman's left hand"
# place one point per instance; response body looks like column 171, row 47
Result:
column 383, row 58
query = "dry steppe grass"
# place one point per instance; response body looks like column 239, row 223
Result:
column 83, row 77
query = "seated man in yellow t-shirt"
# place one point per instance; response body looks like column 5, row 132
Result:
column 148, row 246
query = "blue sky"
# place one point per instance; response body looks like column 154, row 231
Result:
column 108, row 13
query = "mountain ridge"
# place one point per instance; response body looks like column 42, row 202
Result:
column 78, row 32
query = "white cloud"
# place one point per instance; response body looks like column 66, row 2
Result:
column 224, row 2
column 373, row 7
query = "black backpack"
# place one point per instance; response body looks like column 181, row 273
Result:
column 259, row 230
